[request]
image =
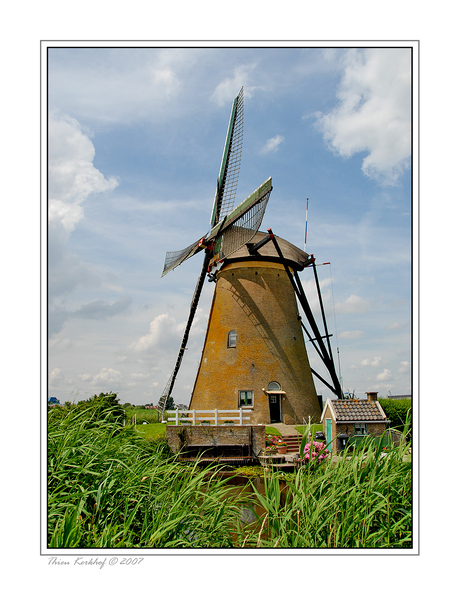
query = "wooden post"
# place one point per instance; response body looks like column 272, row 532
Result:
column 215, row 415
column 241, row 417
column 193, row 417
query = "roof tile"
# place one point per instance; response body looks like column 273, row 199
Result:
column 353, row 410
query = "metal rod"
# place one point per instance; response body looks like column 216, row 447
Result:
column 323, row 381
column 322, row 309
column 297, row 285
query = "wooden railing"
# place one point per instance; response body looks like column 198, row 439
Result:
column 182, row 416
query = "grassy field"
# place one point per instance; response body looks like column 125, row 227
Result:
column 153, row 431
column 109, row 487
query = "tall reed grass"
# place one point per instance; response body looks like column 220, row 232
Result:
column 362, row 500
column 109, row 487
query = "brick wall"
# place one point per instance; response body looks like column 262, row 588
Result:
column 178, row 436
column 258, row 302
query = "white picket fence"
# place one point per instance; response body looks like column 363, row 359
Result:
column 181, row 416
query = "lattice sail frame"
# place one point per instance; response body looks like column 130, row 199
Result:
column 175, row 258
column 246, row 219
column 230, row 166
column 242, row 230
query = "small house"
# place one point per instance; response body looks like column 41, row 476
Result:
column 351, row 420
column 53, row 401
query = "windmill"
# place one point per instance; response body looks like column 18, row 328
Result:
column 254, row 354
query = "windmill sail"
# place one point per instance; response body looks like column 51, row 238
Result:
column 234, row 231
column 230, row 166
column 175, row 258
column 242, row 224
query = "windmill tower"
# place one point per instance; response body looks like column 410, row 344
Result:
column 254, row 356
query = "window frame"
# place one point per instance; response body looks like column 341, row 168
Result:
column 360, row 426
column 277, row 388
column 246, row 392
column 232, row 338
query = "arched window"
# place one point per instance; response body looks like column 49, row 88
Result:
column 274, row 386
column 231, row 340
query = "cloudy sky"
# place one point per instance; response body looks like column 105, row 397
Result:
column 135, row 139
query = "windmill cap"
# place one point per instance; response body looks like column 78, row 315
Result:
column 295, row 257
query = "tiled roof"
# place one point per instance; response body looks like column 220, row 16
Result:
column 351, row 410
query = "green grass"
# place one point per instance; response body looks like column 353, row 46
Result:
column 150, row 416
column 110, row 487
column 270, row 430
column 360, row 501
column 314, row 428
column 152, row 431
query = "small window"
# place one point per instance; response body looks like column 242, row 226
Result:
column 361, row 429
column 245, row 399
column 274, row 386
column 231, row 340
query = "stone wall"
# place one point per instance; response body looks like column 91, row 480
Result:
column 178, row 436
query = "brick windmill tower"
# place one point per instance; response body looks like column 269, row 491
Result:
column 254, row 355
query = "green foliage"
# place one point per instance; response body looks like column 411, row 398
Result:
column 103, row 406
column 150, row 416
column 362, row 501
column 169, row 403
column 249, row 471
column 97, row 407
column 271, row 430
column 397, row 410
column 152, row 431
column 313, row 429
column 109, row 487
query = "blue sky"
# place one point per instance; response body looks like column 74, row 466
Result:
column 135, row 142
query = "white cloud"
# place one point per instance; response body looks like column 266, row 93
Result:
column 55, row 376
column 163, row 328
column 351, row 334
column 272, row 145
column 373, row 114
column 376, row 361
column 107, row 375
column 228, row 89
column 353, row 304
column 404, row 367
column 395, row 325
column 72, row 176
column 385, row 375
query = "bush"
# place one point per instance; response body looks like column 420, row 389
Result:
column 397, row 411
